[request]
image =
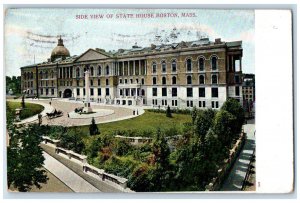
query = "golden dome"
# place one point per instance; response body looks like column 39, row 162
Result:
column 60, row 51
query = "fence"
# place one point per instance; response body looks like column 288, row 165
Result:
column 100, row 174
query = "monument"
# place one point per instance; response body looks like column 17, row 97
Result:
column 87, row 105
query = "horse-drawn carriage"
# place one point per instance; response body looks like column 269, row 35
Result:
column 54, row 114
column 78, row 110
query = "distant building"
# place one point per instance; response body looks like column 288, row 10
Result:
column 249, row 92
column 182, row 75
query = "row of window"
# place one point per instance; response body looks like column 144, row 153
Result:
column 188, row 64
column 99, row 71
column 28, row 84
column 131, row 81
column 189, row 103
column 28, row 75
column 99, row 93
column 189, row 92
column 47, row 91
column 214, row 80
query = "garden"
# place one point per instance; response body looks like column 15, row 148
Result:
column 28, row 110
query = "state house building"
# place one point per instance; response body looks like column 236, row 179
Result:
column 199, row 73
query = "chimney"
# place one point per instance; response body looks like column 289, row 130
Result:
column 218, row 41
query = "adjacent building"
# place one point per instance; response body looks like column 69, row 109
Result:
column 199, row 73
column 249, row 93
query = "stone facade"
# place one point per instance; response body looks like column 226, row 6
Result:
column 182, row 75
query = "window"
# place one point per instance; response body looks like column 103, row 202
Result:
column 77, row 72
column 92, row 71
column 99, row 91
column 189, row 65
column 154, row 80
column 163, row 67
column 131, row 81
column 212, row 104
column 201, row 103
column 92, row 83
column 137, row 81
column 83, row 91
column 174, row 92
column 121, row 92
column 92, row 91
column 99, row 82
column 52, row 91
column 174, row 66
column 143, row 81
column 189, row 103
column 214, row 92
column 202, row 92
column 42, row 92
column 107, row 82
column 201, row 79
column 217, row 104
column 189, row 80
column 125, row 81
column 107, row 91
column 214, row 63
column 46, row 76
column 154, row 92
column 163, row 80
column 164, row 92
column 77, row 83
column 107, row 70
column 153, row 67
column 99, row 70
column 41, row 75
column 174, row 102
column 174, row 80
column 189, row 92
column 143, row 92
column 201, row 64
column 214, row 79
column 77, row 91
column 237, row 91
column 237, row 79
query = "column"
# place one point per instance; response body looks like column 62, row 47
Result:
column 128, row 65
column 139, row 67
column 134, row 67
column 232, row 63
column 240, row 63
column 123, row 67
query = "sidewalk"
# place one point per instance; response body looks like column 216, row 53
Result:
column 76, row 168
column 236, row 177
column 71, row 179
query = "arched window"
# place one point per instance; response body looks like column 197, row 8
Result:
column 214, row 63
column 174, row 80
column 77, row 72
column 41, row 75
column 107, row 82
column 46, row 74
column 153, row 67
column 201, row 79
column 163, row 80
column 201, row 64
column 163, row 67
column 189, row 80
column 143, row 92
column 143, row 81
column 214, row 79
column 174, row 66
column 25, row 76
column 92, row 71
column 107, row 70
column 99, row 70
column 154, row 80
column 189, row 65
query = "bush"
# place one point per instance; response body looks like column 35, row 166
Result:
column 168, row 112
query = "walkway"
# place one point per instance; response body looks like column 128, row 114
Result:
column 71, row 179
column 77, row 169
column 236, row 177
column 67, row 106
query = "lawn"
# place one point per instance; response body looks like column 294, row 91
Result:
column 29, row 110
column 149, row 121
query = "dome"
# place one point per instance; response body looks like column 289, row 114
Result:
column 60, row 51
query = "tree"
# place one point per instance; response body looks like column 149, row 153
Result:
column 94, row 128
column 72, row 140
column 23, row 101
column 40, row 119
column 194, row 114
column 234, row 107
column 168, row 112
column 203, row 122
column 25, row 158
column 223, row 127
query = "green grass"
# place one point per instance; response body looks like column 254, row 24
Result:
column 28, row 111
column 149, row 121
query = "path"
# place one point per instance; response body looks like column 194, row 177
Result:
column 71, row 179
column 236, row 177
column 67, row 106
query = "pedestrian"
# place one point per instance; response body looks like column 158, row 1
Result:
column 68, row 115
column 50, row 103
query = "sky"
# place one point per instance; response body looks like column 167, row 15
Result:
column 31, row 34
